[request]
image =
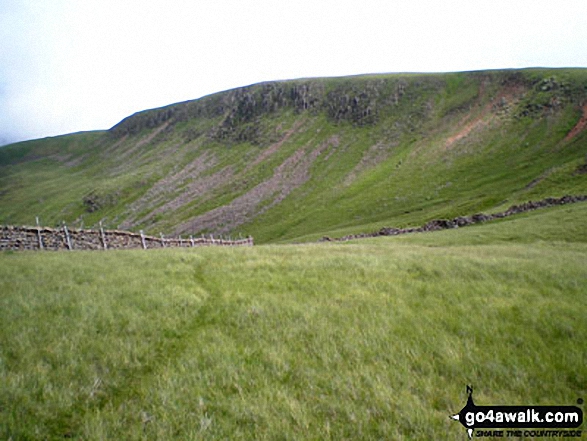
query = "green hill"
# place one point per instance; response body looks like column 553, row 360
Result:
column 296, row 160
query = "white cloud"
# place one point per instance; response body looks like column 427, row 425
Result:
column 68, row 65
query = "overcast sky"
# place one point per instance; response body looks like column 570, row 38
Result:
column 73, row 65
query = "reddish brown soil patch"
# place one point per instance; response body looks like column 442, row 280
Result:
column 500, row 105
column 580, row 126
column 465, row 131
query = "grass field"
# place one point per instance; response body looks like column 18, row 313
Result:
column 372, row 339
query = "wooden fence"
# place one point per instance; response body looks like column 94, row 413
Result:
column 44, row 238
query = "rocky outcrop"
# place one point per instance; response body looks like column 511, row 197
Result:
column 358, row 100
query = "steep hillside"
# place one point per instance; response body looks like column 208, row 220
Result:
column 296, row 160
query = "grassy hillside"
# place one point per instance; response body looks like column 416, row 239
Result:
column 373, row 339
column 296, row 160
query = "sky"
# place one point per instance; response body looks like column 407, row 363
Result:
column 77, row 65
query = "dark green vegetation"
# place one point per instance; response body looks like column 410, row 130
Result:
column 374, row 339
column 293, row 161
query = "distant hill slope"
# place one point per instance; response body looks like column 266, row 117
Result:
column 296, row 160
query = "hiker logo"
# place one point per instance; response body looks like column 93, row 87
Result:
column 550, row 418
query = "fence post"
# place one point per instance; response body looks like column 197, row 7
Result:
column 143, row 240
column 162, row 240
column 192, row 240
column 67, row 236
column 180, row 241
column 39, row 233
column 103, row 235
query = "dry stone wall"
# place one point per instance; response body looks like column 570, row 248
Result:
column 56, row 239
column 463, row 221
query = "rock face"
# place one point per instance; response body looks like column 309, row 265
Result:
column 444, row 224
column 31, row 238
column 357, row 101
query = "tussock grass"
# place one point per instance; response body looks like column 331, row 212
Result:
column 372, row 339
